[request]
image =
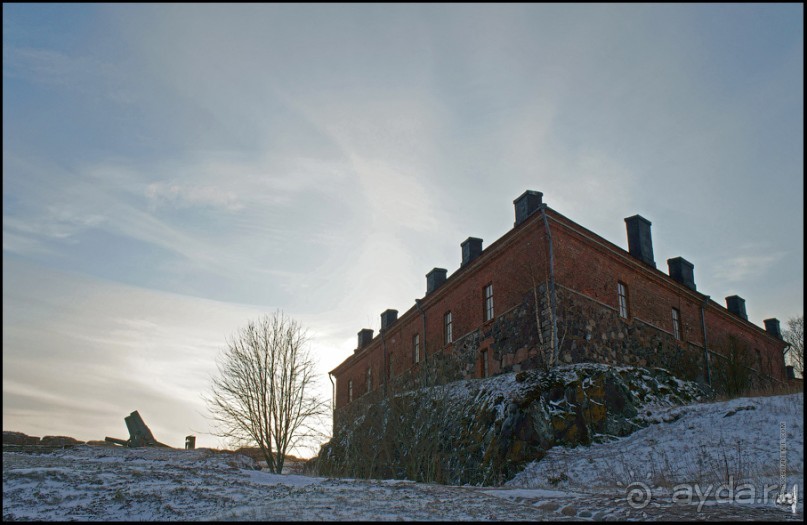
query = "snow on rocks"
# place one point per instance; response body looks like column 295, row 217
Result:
column 485, row 431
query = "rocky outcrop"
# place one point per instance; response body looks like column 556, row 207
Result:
column 19, row 438
column 59, row 441
column 486, row 431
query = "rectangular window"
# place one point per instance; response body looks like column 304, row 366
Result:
column 484, row 364
column 369, row 379
column 416, row 348
column 622, row 291
column 676, row 318
column 350, row 391
column 489, row 302
column 447, row 329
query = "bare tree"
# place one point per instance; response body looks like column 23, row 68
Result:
column 794, row 335
column 538, row 285
column 553, row 315
column 264, row 390
column 734, row 366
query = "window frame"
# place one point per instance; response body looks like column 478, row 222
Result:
column 487, row 304
column 676, row 321
column 369, row 379
column 448, row 328
column 622, row 299
column 416, row 348
column 349, row 390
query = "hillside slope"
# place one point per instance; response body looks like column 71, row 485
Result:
column 737, row 441
column 486, row 431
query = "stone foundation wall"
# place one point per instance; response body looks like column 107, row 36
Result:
column 591, row 332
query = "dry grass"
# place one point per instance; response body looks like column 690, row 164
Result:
column 724, row 461
column 778, row 389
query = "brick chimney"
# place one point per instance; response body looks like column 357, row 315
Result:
column 682, row 271
column 736, row 305
column 365, row 336
column 527, row 204
column 434, row 279
column 471, row 249
column 388, row 317
column 640, row 244
column 772, row 327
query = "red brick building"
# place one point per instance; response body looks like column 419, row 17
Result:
column 550, row 291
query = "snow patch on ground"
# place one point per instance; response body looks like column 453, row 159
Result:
column 708, row 444
column 585, row 483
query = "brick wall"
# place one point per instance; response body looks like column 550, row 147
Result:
column 509, row 263
column 587, row 269
column 593, row 266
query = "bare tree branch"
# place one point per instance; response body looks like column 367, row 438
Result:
column 263, row 393
column 794, row 335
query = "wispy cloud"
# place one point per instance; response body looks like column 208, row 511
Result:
column 47, row 66
column 160, row 193
column 110, row 349
column 58, row 222
column 134, row 202
column 323, row 159
column 23, row 244
column 58, row 70
column 745, row 267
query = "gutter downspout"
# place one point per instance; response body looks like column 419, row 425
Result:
column 333, row 402
column 423, row 316
column 386, row 370
column 552, row 297
column 705, row 343
column 785, row 350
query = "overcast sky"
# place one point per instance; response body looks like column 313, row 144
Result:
column 171, row 172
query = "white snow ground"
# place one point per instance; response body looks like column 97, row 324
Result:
column 698, row 455
column 706, row 444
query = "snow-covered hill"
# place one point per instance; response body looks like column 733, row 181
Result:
column 705, row 452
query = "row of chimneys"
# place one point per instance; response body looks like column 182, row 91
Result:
column 528, row 203
column 366, row 334
column 640, row 246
